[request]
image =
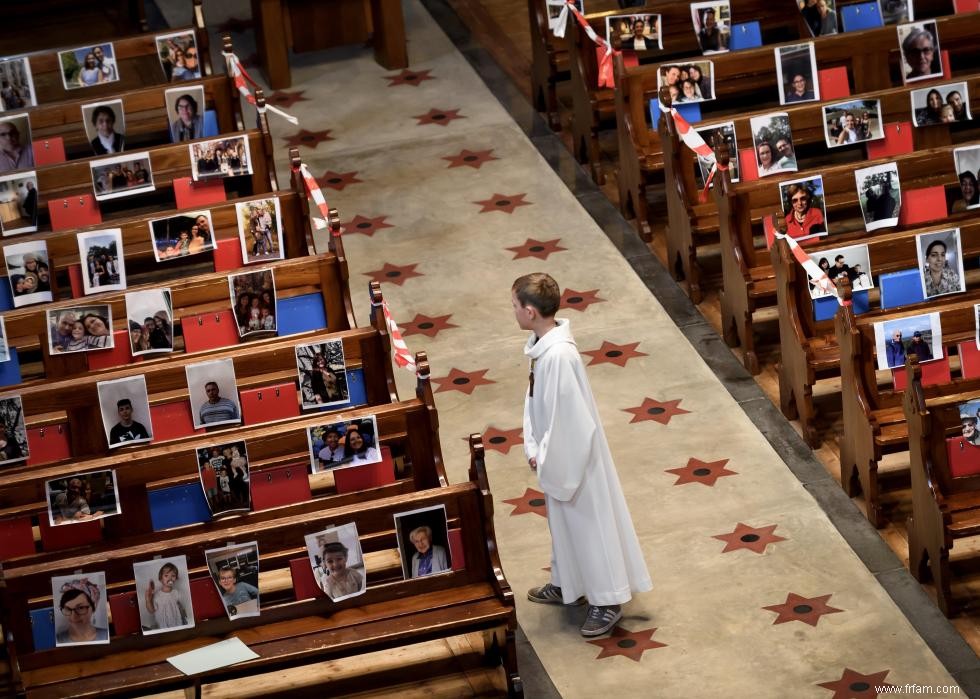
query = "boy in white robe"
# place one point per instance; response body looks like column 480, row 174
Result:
column 595, row 552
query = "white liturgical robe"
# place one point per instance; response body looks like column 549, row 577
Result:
column 594, row 550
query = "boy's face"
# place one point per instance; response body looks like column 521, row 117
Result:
column 525, row 315
column 336, row 563
column 227, row 580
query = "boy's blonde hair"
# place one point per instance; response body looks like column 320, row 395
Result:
column 540, row 291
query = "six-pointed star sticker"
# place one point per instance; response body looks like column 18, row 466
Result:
column 286, row 99
column 439, row 117
column 658, row 411
column 536, row 248
column 426, row 325
column 611, row 353
column 338, row 180
column 462, row 381
column 364, row 225
column 502, row 440
column 470, row 158
column 394, row 274
column 531, row 502
column 630, row 644
column 854, row 685
column 752, row 538
column 805, row 609
column 579, row 300
column 503, row 202
column 310, row 139
column 704, row 472
column 409, row 77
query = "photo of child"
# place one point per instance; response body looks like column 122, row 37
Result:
column 80, row 329
column 223, row 469
column 253, row 298
column 163, row 594
column 260, row 230
column 338, row 564
column 235, row 572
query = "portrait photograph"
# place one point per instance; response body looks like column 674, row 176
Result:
column 854, row 121
column 970, row 420
column 88, row 66
column 942, row 104
column 804, row 207
column 322, row 373
column 896, row 11
column 122, row 176
column 18, row 203
column 28, row 272
column 16, row 152
column 235, row 572
column 852, row 262
column 259, row 229
column 337, row 561
column 941, row 262
column 638, row 33
column 921, row 56
column 967, row 163
column 213, row 393
column 16, row 84
column 223, row 469
column 708, row 133
column 103, row 264
column 4, row 347
column 880, row 195
column 773, row 143
column 344, row 443
column 178, row 56
column 221, row 157
column 820, row 16
column 976, row 315
column 163, row 595
column 82, row 497
column 81, row 610
column 150, row 320
column 688, row 82
column 181, row 235
column 796, row 73
column 185, row 112
column 921, row 335
column 253, row 299
column 105, row 126
column 125, row 409
column 423, row 542
column 712, row 25
column 13, row 429
column 80, row 328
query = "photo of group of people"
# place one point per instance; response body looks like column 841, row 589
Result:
column 178, row 56
column 186, row 107
column 920, row 335
column 804, row 207
column 967, row 163
column 880, row 195
column 163, row 594
column 223, row 157
column 181, row 235
column 80, row 329
column 149, row 316
column 223, row 470
column 125, row 409
column 13, row 429
column 105, row 126
column 212, row 387
column 852, row 262
column 773, row 143
column 28, row 272
column 260, row 229
column 88, row 66
column 689, row 82
column 820, row 16
column 796, row 72
column 16, row 152
column 235, row 572
column 16, row 84
column 338, row 563
column 102, row 260
column 921, row 56
column 941, row 261
column 122, row 176
column 322, row 374
column 343, row 443
column 942, row 104
column 853, row 121
column 726, row 132
column 253, row 298
column 639, row 33
column 712, row 25
column 82, row 497
column 18, row 203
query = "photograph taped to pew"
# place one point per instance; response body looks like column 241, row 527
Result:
column 150, row 321
column 423, row 542
column 921, row 335
column 772, row 139
column 712, row 25
column 179, row 56
column 163, row 595
column 343, row 443
column 88, row 66
column 235, row 572
column 16, row 151
column 639, row 33
column 727, row 131
column 81, row 609
column 969, row 417
column 223, row 470
column 967, row 163
column 851, row 261
column 185, row 110
column 4, row 348
column 125, row 409
column 322, row 374
column 854, row 121
column 18, row 203
column 122, row 176
column 253, row 299
column 103, row 263
column 82, row 497
column 796, row 73
column 80, row 329
column 213, row 393
column 260, row 229
column 921, row 55
column 338, row 563
column 691, row 82
column 880, row 195
column 554, row 11
column 820, row 16
column 942, row 104
column 220, row 157
column 896, row 11
column 804, row 207
column 941, row 262
column 105, row 126
column 16, row 84
column 28, row 272
column 181, row 235
column 13, row 429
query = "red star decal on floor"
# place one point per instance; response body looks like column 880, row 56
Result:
column 462, row 381
column 532, row 501
column 751, row 538
column 286, row 99
column 394, row 274
column 503, row 202
column 579, row 300
column 705, row 472
column 338, row 180
column 537, row 248
column 470, row 158
column 409, row 77
column 854, row 685
column 439, row 117
column 611, row 353
column 235, row 24
column 502, row 440
column 364, row 225
column 656, row 410
column 630, row 644
column 805, row 609
column 426, row 325
column 310, row 139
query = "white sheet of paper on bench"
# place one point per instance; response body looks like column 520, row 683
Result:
column 221, row 654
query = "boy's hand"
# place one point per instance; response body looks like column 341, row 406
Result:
column 533, row 463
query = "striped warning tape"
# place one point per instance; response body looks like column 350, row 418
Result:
column 239, row 75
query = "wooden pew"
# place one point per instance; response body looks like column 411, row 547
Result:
column 61, row 20
column 549, row 63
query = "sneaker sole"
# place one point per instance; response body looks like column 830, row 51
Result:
column 540, row 600
column 605, row 629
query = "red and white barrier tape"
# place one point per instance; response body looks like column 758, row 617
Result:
column 316, row 194
column 604, row 51
column 817, row 276
column 238, row 73
column 399, row 350
column 693, row 140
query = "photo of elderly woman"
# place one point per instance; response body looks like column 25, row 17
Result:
column 804, row 207
column 13, row 432
column 163, row 594
column 941, row 262
column 18, row 203
column 338, row 564
column 122, row 176
column 423, row 541
column 942, row 104
column 223, row 157
column 103, row 264
column 322, row 373
column 28, row 272
column 82, row 497
column 181, row 235
column 235, row 572
column 105, row 126
column 640, row 33
column 347, row 443
column 88, row 66
column 80, row 329
column 81, row 613
column 223, row 469
column 966, row 160
column 921, row 57
column 178, row 56
column 149, row 317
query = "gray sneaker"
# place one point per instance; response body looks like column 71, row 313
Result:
column 598, row 620
column 549, row 594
